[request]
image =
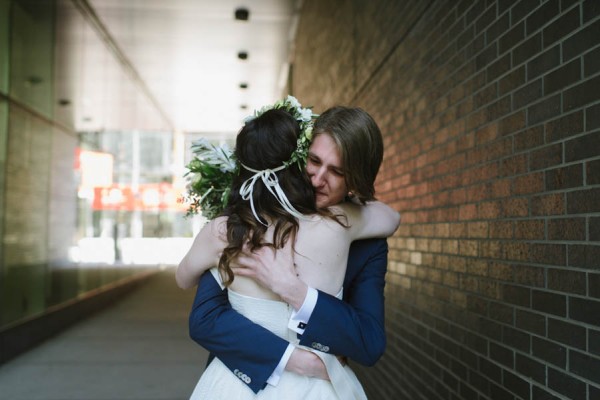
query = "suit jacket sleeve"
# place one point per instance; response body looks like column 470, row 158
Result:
column 354, row 327
column 238, row 342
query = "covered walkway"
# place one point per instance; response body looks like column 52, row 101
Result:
column 138, row 348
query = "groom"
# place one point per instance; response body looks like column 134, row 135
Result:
column 352, row 328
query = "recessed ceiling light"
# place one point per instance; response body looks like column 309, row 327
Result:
column 242, row 55
column 33, row 80
column 243, row 85
column 242, row 14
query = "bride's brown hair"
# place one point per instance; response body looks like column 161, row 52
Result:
column 265, row 142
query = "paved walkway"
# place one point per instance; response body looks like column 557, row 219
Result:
column 138, row 348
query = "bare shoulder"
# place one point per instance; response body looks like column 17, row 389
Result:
column 217, row 228
column 346, row 210
column 345, row 207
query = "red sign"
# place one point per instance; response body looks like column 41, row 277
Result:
column 149, row 196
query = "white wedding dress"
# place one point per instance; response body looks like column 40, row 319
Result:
column 219, row 382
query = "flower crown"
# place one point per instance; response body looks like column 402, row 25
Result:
column 212, row 169
column 305, row 118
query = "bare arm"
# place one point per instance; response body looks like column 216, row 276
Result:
column 203, row 254
column 371, row 220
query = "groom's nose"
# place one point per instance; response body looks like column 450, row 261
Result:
column 318, row 178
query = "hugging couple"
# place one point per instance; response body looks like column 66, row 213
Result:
column 291, row 266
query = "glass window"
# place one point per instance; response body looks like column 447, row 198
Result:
column 4, row 48
column 31, row 58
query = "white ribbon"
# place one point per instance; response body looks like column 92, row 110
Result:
column 272, row 183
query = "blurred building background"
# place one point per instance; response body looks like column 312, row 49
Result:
column 490, row 111
column 99, row 103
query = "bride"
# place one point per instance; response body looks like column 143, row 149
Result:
column 272, row 204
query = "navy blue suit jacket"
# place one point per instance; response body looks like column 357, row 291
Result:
column 353, row 327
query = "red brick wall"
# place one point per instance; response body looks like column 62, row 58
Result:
column 491, row 117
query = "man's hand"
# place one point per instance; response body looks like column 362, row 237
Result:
column 306, row 363
column 274, row 270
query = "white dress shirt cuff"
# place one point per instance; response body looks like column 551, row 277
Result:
column 300, row 318
column 274, row 378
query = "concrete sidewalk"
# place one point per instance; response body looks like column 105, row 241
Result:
column 138, row 348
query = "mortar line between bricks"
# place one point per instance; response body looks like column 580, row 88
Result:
column 389, row 54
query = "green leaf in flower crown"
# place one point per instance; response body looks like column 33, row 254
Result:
column 210, row 174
